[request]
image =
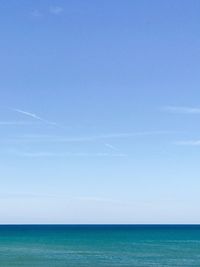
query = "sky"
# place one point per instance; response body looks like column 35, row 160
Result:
column 99, row 111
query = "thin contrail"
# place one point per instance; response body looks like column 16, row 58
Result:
column 28, row 114
column 110, row 146
column 34, row 116
column 182, row 109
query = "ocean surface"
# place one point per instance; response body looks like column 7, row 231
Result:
column 98, row 246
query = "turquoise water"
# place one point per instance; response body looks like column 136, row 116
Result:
column 97, row 246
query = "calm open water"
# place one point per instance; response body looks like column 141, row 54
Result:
column 98, row 246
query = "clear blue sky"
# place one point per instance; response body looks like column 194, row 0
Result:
column 99, row 111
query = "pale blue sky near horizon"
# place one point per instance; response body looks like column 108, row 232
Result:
column 99, row 111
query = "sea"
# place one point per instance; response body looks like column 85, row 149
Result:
column 99, row 245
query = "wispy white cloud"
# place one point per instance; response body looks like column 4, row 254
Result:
column 84, row 139
column 46, row 138
column 16, row 123
column 111, row 146
column 25, row 195
column 188, row 143
column 99, row 199
column 56, row 10
column 36, row 13
column 33, row 116
column 52, row 154
column 53, row 10
column 181, row 109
